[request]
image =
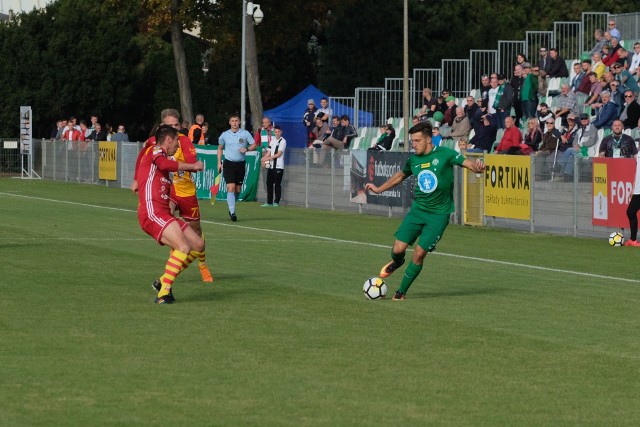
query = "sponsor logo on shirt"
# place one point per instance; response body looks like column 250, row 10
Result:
column 427, row 181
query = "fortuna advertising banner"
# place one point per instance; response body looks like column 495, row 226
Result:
column 107, row 163
column 613, row 181
column 204, row 179
column 507, row 186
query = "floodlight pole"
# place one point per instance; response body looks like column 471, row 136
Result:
column 405, row 84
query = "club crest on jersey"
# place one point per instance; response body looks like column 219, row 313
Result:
column 427, row 181
column 241, row 140
column 436, row 162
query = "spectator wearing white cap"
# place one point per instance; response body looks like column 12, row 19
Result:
column 309, row 118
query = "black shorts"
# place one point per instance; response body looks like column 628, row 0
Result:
column 233, row 172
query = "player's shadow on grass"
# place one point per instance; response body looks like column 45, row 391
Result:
column 455, row 293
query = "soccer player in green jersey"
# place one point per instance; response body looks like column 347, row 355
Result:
column 432, row 202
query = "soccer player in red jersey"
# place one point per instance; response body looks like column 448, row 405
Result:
column 154, row 211
column 183, row 189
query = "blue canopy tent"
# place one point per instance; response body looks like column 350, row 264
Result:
column 289, row 115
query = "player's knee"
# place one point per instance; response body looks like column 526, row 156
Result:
column 183, row 247
column 198, row 245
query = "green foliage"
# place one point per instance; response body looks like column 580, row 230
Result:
column 284, row 337
column 113, row 57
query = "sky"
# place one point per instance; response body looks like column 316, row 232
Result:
column 21, row 5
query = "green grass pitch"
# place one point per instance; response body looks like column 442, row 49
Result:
column 501, row 328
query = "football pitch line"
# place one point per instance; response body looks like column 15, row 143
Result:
column 343, row 241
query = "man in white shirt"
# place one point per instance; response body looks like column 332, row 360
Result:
column 635, row 60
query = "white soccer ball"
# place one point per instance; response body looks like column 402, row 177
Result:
column 616, row 239
column 374, row 288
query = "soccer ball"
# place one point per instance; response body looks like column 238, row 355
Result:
column 616, row 239
column 374, row 288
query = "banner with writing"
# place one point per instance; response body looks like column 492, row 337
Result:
column 613, row 181
column 377, row 167
column 507, row 186
column 107, row 164
column 205, row 178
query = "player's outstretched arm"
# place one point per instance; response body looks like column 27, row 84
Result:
column 191, row 167
column 476, row 166
column 394, row 180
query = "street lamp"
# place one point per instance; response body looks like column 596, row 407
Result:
column 253, row 10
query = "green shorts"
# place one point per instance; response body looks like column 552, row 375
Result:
column 428, row 226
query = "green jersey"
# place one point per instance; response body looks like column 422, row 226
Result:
column 434, row 179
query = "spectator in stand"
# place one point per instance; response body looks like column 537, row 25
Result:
column 625, row 78
column 121, row 135
column 429, row 103
column 528, row 92
column 461, row 125
column 585, row 84
column 558, row 65
column 441, row 105
column 57, row 132
column 185, row 125
column 485, row 135
column 631, row 111
column 385, row 142
column 436, row 139
column 613, row 30
column 617, row 96
column 607, row 113
column 207, row 136
column 594, row 90
column 101, row 134
column 635, row 60
column 485, row 86
column 566, row 151
column 71, row 135
column 586, row 135
column 493, row 92
column 549, row 148
column 520, row 59
column 109, row 130
column 578, row 75
column 566, row 104
column 196, row 135
column 511, row 139
column 618, row 144
column 263, row 136
column 614, row 56
column 504, row 100
column 338, row 140
column 320, row 132
column 544, row 63
column 533, row 136
column 415, row 120
column 309, row 118
column 544, row 114
column 450, row 113
column 600, row 42
column 516, row 84
column 325, row 110
column 471, row 111
column 597, row 65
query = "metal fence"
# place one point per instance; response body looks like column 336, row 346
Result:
column 371, row 100
column 460, row 76
column 10, row 157
column 568, row 39
column 563, row 208
column 628, row 24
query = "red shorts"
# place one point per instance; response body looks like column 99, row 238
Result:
column 155, row 227
column 188, row 206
